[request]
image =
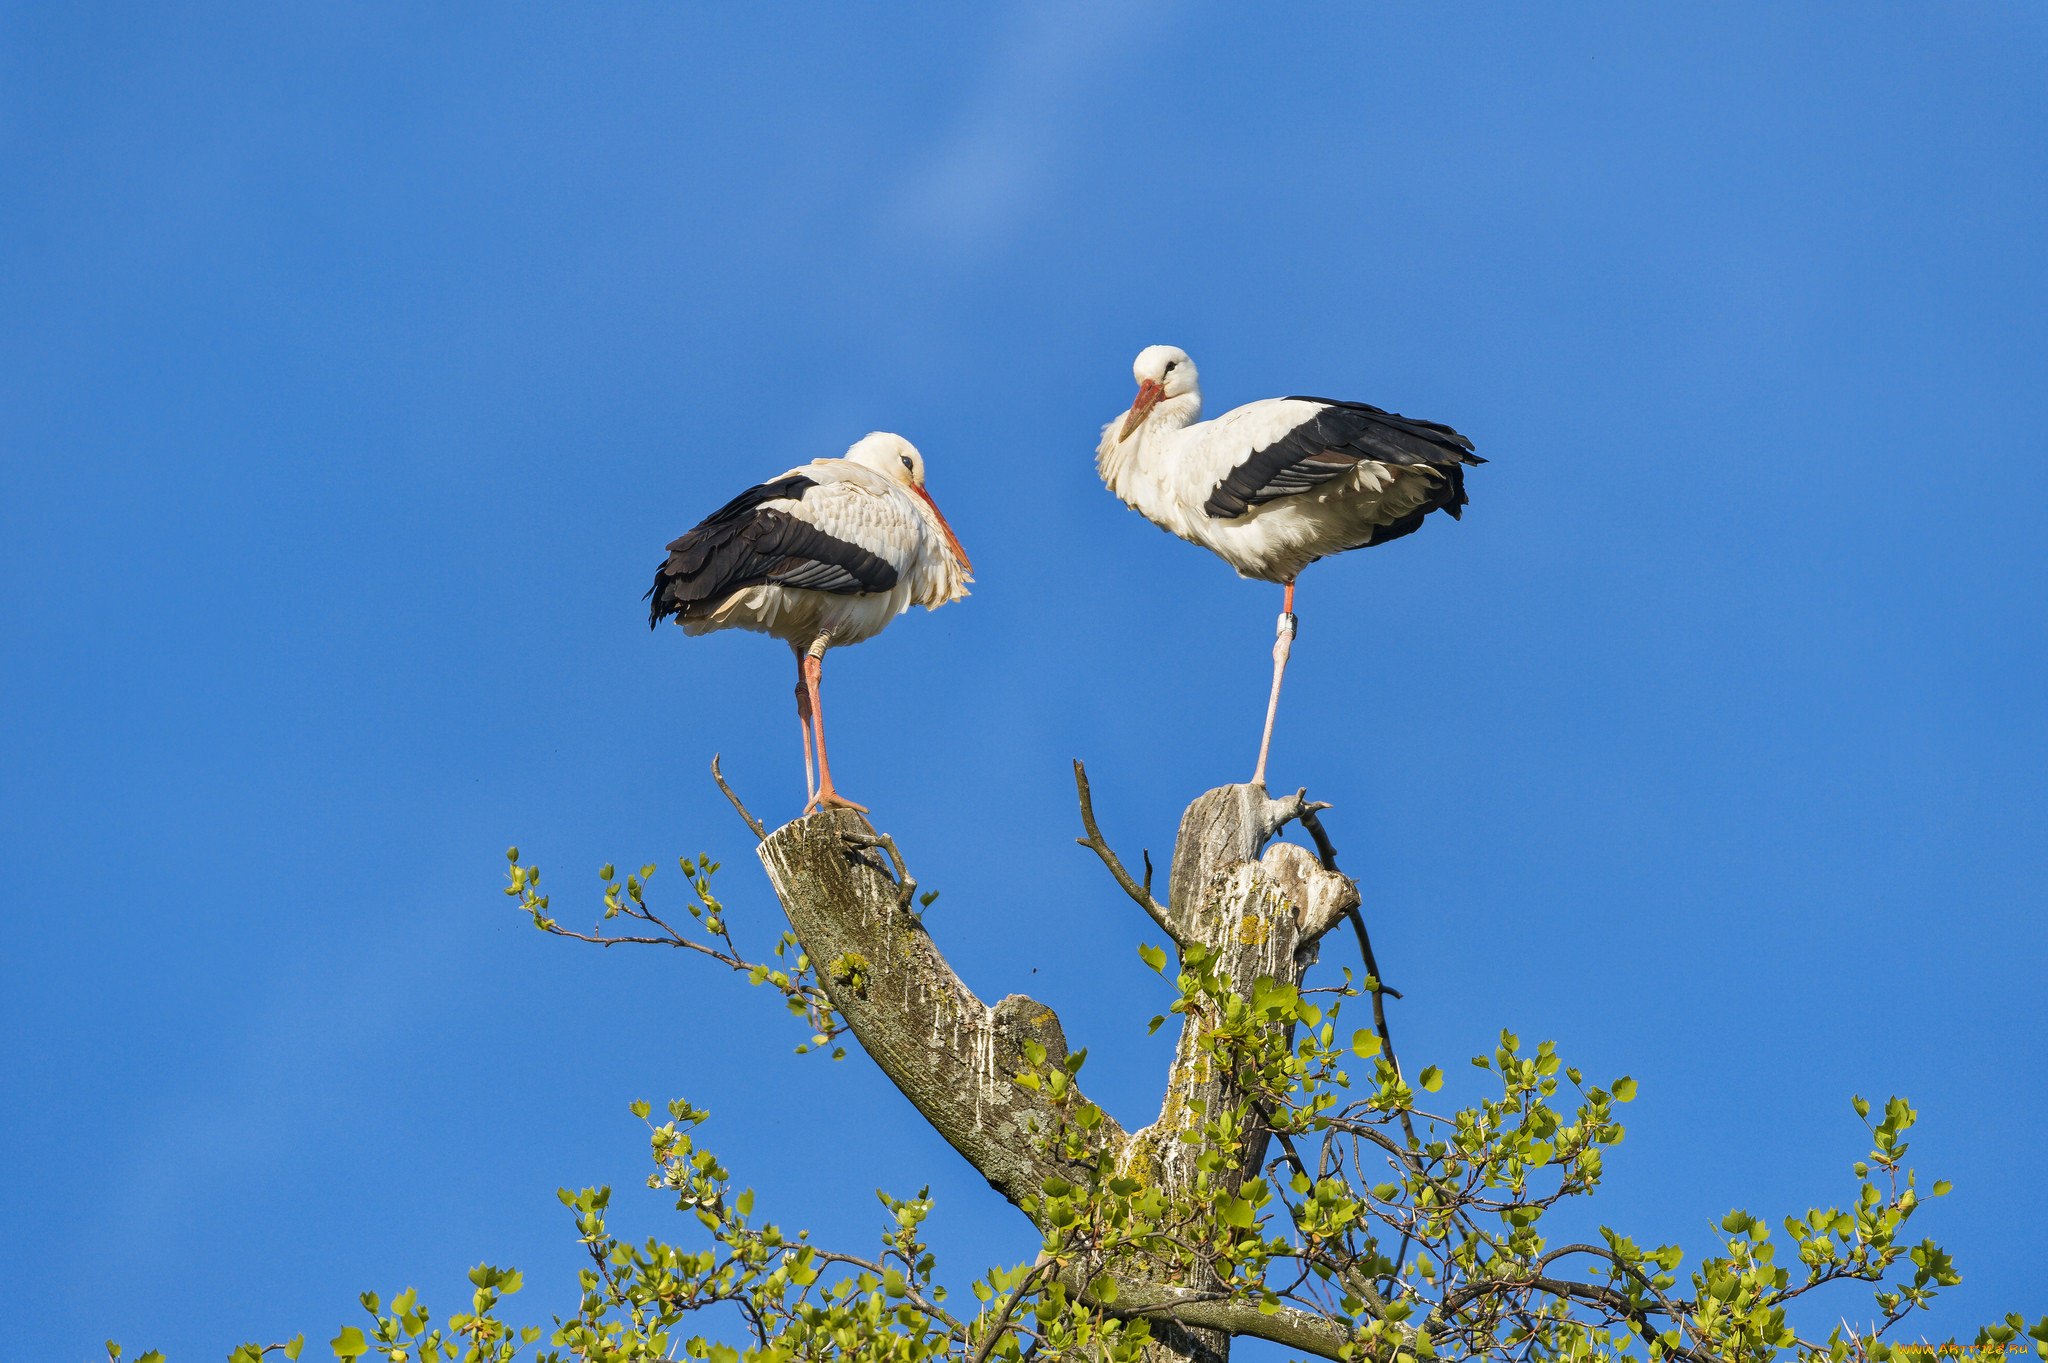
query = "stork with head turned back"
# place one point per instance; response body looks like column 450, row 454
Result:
column 824, row 555
column 1274, row 485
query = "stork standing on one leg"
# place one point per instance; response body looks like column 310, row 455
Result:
column 1274, row 485
column 823, row 556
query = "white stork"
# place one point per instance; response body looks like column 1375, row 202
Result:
column 827, row 554
column 1274, row 485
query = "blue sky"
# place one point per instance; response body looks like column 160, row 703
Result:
column 356, row 363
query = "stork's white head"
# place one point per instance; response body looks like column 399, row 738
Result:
column 897, row 460
column 1163, row 372
column 891, row 456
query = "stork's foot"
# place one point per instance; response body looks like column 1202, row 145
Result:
column 829, row 798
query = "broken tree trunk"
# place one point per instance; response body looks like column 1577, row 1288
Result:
column 1259, row 910
column 951, row 1054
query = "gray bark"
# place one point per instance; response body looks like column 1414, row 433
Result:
column 1261, row 909
column 951, row 1054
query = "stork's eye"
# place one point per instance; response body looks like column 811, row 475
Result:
column 906, row 462
column 1170, row 364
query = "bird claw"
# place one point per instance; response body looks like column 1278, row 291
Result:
column 906, row 887
column 832, row 799
column 1309, row 806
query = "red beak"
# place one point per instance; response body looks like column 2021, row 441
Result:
column 1149, row 393
column 951, row 538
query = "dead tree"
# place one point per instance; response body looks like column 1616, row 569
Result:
column 1260, row 906
column 1171, row 1224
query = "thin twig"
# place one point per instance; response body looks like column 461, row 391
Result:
column 1008, row 1309
column 1142, row 894
column 1326, row 851
column 1372, row 967
column 1298, row 808
column 760, row 833
column 931, row 1309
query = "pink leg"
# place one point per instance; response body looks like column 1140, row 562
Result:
column 803, row 714
column 828, row 795
column 1282, row 646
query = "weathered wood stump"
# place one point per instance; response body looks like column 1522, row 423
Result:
column 1260, row 909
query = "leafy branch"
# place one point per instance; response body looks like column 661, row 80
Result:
column 791, row 972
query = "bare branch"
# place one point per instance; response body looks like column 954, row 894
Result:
column 1141, row 894
column 906, row 884
column 1326, row 851
column 1296, row 807
column 760, row 833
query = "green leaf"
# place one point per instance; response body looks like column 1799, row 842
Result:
column 1152, row 956
column 349, row 1343
column 294, row 1346
column 1624, row 1090
column 1431, row 1079
column 1364, row 1044
column 1104, row 1290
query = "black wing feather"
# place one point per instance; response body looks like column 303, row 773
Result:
column 1334, row 441
column 746, row 543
